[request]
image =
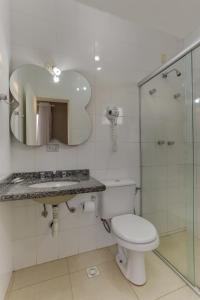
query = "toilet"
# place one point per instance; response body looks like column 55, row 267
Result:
column 134, row 235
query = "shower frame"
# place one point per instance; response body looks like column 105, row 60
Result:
column 169, row 63
column 146, row 79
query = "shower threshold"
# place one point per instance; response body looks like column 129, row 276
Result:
column 194, row 288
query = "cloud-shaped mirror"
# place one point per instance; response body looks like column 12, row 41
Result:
column 46, row 110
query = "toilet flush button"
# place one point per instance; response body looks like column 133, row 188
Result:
column 92, row 272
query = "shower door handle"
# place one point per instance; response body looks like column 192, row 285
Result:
column 160, row 142
column 170, row 143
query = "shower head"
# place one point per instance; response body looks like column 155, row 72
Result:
column 152, row 91
column 165, row 74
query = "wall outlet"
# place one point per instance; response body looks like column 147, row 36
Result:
column 53, row 148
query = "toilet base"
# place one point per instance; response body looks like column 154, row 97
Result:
column 132, row 265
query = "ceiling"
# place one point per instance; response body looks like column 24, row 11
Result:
column 176, row 17
column 69, row 33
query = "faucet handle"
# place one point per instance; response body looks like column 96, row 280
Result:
column 160, row 142
column 170, row 143
column 64, row 174
column 42, row 175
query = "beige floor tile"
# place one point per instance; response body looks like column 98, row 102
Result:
column 177, row 249
column 160, row 280
column 109, row 285
column 181, row 294
column 9, row 287
column 113, row 250
column 84, row 260
column 27, row 293
column 38, row 273
column 55, row 289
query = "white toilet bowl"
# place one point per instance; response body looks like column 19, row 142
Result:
column 134, row 236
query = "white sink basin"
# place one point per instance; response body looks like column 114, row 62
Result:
column 53, row 184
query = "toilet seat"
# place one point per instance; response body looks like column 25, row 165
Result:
column 134, row 229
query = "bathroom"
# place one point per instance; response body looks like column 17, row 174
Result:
column 99, row 142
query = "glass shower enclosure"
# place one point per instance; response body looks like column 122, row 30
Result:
column 170, row 160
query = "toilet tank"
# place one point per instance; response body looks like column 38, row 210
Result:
column 117, row 199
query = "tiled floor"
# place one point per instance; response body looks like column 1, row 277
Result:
column 66, row 279
column 175, row 247
column 178, row 249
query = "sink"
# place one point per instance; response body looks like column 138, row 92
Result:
column 54, row 200
column 53, row 184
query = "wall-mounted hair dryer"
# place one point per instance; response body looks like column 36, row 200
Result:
column 112, row 113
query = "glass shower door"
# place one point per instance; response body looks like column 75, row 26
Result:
column 196, row 118
column 167, row 163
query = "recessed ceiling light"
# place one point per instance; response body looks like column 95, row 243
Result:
column 56, row 79
column 97, row 58
column 56, row 71
column 197, row 100
column 85, row 88
column 78, row 89
column 99, row 68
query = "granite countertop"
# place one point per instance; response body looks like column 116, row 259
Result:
column 12, row 188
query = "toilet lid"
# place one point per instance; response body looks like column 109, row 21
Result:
column 135, row 229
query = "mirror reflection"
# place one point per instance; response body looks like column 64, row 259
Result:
column 46, row 110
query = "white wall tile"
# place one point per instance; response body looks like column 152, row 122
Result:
column 68, row 220
column 23, row 158
column 24, row 222
column 103, row 238
column 47, row 248
column 87, row 238
column 68, row 242
column 26, row 202
column 24, row 253
column 6, row 247
column 87, row 218
column 67, row 158
column 41, row 223
column 86, row 156
column 43, row 10
column 46, row 161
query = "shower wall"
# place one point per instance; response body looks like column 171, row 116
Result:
column 167, row 163
column 163, row 164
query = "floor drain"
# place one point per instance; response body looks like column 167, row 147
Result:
column 92, row 271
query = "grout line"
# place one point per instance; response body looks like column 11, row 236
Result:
column 34, row 284
column 172, row 292
column 68, row 272
column 70, row 281
column 67, row 262
column 109, row 248
column 69, row 276
column 9, row 289
column 39, row 264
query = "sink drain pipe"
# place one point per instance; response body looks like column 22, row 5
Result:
column 54, row 223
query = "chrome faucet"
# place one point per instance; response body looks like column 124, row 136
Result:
column 160, row 142
column 42, row 175
column 64, row 174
